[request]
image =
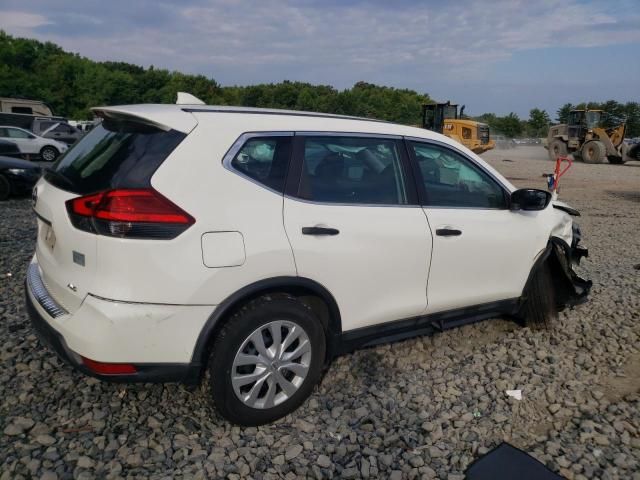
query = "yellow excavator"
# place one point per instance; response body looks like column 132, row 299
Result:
column 584, row 136
column 443, row 118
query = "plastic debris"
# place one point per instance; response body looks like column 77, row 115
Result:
column 9, row 274
column 477, row 414
column 517, row 394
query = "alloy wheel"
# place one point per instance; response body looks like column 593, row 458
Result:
column 271, row 364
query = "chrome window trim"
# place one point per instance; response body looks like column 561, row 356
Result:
column 473, row 162
column 39, row 291
column 330, row 133
column 237, row 146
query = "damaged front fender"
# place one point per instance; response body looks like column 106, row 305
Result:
column 570, row 288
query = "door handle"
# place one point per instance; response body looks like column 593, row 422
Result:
column 319, row 231
column 448, row 232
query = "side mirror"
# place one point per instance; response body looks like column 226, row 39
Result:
column 530, row 199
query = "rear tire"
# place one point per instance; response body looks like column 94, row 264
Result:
column 593, row 152
column 49, row 153
column 538, row 309
column 5, row 188
column 276, row 390
column 557, row 148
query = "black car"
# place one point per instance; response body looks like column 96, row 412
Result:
column 17, row 176
column 9, row 149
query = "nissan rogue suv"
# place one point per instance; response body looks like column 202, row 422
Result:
column 257, row 245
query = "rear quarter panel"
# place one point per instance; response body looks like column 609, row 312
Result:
column 173, row 271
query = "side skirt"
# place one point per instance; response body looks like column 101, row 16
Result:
column 351, row 340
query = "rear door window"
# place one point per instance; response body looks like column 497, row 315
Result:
column 352, row 170
column 115, row 154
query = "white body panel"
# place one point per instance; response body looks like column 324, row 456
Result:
column 489, row 261
column 109, row 331
column 376, row 267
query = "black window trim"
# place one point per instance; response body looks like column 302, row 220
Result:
column 237, row 146
column 422, row 193
column 295, row 168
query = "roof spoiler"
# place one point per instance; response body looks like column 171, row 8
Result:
column 185, row 98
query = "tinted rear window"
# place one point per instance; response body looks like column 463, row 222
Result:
column 114, row 155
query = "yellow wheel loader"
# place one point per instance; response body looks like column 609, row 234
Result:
column 443, row 118
column 586, row 138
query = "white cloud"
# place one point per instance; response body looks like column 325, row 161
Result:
column 21, row 23
column 411, row 44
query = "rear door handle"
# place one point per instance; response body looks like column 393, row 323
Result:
column 448, row 232
column 319, row 231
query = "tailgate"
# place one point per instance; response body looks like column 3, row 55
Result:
column 66, row 255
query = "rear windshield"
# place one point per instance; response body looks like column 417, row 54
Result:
column 114, row 155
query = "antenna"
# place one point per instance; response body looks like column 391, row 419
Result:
column 185, row 98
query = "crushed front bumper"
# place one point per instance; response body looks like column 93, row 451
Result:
column 571, row 289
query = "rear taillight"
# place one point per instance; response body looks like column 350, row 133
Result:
column 129, row 213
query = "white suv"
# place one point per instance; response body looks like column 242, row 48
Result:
column 258, row 245
column 30, row 144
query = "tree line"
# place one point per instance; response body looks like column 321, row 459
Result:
column 72, row 84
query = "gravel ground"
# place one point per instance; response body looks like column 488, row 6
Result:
column 423, row 408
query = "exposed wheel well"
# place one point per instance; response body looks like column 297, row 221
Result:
column 311, row 293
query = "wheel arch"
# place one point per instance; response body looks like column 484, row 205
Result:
column 558, row 255
column 312, row 293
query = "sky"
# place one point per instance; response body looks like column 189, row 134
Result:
column 493, row 56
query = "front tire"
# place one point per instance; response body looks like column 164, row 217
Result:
column 538, row 308
column 593, row 152
column 266, row 360
column 49, row 153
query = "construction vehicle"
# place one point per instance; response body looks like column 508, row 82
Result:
column 443, row 118
column 585, row 136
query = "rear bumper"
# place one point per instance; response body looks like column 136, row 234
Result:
column 41, row 309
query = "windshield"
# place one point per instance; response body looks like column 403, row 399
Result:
column 593, row 119
column 114, row 155
column 450, row 111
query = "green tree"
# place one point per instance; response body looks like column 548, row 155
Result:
column 538, row 122
column 563, row 113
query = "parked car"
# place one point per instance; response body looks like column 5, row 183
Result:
column 9, row 149
column 17, row 176
column 56, row 130
column 31, row 144
column 260, row 244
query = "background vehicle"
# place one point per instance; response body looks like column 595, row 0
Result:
column 17, row 176
column 586, row 138
column 24, row 106
column 31, row 144
column 9, row 149
column 260, row 244
column 55, row 130
column 504, row 143
column 443, row 118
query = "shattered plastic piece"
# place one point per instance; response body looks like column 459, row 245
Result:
column 477, row 414
column 517, row 394
column 337, row 436
column 9, row 274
